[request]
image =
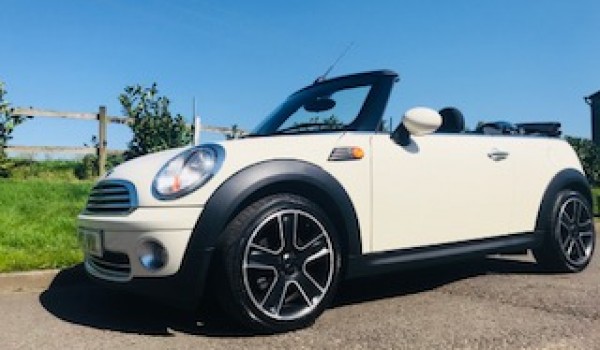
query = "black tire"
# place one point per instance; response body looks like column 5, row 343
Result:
column 278, row 264
column 569, row 234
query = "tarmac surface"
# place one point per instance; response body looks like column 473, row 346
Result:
column 495, row 303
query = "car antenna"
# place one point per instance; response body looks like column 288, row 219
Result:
column 322, row 77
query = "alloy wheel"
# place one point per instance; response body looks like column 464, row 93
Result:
column 575, row 231
column 288, row 264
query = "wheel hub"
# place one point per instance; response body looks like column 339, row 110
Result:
column 289, row 264
column 572, row 229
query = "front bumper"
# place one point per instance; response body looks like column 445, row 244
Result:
column 120, row 238
column 180, row 282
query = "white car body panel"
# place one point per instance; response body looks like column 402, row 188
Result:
column 437, row 199
column 354, row 176
column 404, row 197
column 445, row 188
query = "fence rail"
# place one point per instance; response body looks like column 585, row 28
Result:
column 59, row 149
column 102, row 118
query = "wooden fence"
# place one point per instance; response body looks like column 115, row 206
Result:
column 103, row 119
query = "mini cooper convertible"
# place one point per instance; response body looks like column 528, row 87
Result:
column 321, row 191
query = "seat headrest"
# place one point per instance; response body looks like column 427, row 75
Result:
column 452, row 121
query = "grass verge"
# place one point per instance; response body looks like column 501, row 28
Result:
column 38, row 223
column 59, row 170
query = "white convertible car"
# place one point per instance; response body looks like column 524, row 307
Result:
column 320, row 191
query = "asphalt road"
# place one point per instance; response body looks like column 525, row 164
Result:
column 487, row 304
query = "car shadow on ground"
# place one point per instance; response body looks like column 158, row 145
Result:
column 74, row 298
column 401, row 283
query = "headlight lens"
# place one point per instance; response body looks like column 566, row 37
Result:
column 187, row 171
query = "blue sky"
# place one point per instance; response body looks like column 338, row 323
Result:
column 508, row 60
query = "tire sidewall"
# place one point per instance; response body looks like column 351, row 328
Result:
column 236, row 251
column 562, row 198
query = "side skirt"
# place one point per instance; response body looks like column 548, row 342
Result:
column 404, row 259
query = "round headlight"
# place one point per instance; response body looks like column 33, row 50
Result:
column 187, row 171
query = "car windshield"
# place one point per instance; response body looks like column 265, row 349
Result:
column 309, row 112
column 326, row 113
column 349, row 103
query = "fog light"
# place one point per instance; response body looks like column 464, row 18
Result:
column 152, row 255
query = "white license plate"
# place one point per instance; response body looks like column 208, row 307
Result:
column 92, row 242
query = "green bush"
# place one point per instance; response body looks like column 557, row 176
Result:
column 8, row 123
column 589, row 155
column 154, row 127
column 87, row 168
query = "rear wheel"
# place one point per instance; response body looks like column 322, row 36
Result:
column 280, row 262
column 570, row 235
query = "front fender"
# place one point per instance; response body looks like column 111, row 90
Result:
column 257, row 181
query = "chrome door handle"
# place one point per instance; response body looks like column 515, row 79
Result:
column 497, row 155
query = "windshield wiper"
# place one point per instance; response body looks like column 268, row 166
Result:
column 328, row 126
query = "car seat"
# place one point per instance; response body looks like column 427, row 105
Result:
column 452, row 121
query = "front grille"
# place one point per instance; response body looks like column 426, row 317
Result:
column 112, row 265
column 112, row 197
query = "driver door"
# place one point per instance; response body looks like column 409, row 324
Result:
column 441, row 188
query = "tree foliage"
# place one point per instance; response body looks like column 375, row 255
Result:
column 154, row 128
column 8, row 123
column 589, row 155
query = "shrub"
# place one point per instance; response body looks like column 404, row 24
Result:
column 87, row 168
column 154, row 128
column 589, row 155
column 8, row 122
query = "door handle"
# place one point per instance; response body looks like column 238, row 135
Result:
column 497, row 155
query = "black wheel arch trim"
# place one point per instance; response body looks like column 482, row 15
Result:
column 257, row 181
column 261, row 179
column 565, row 179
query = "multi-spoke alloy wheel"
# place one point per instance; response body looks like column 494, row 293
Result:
column 288, row 264
column 575, row 231
column 280, row 263
column 570, row 234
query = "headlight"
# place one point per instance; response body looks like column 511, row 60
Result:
column 187, row 171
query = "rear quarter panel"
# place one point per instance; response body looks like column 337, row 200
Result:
column 536, row 160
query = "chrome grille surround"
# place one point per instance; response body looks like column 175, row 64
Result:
column 112, row 197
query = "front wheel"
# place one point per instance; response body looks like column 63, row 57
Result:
column 280, row 263
column 570, row 235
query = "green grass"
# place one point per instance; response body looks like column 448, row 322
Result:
column 38, row 226
column 49, row 169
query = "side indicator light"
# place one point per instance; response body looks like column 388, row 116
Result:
column 357, row 153
column 346, row 153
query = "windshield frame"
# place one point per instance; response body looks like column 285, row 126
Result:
column 368, row 119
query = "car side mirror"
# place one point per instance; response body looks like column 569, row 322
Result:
column 417, row 121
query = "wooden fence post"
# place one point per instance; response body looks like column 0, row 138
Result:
column 101, row 150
